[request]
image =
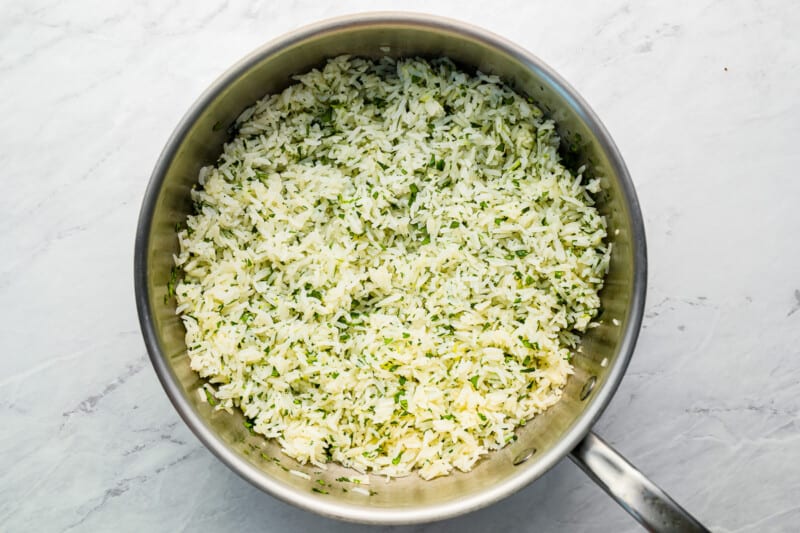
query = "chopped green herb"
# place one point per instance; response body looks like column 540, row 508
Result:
column 210, row 397
column 326, row 116
column 315, row 294
column 396, row 460
column 318, row 490
column 173, row 281
column 413, row 194
column 474, row 381
column 528, row 344
column 454, row 224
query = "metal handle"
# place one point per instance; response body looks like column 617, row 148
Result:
column 648, row 504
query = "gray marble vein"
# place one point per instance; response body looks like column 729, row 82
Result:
column 703, row 99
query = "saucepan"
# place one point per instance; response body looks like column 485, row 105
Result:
column 563, row 430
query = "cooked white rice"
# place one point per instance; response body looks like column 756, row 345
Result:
column 388, row 266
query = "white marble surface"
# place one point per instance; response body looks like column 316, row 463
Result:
column 703, row 99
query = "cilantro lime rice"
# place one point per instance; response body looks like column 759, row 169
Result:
column 389, row 267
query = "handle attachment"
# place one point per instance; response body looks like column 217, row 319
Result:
column 643, row 499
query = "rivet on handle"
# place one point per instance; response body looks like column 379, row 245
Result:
column 523, row 456
column 588, row 387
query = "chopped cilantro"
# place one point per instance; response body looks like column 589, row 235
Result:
column 413, row 193
column 326, row 116
column 210, row 397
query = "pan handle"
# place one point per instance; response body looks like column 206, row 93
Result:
column 648, row 504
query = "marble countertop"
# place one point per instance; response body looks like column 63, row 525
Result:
column 703, row 99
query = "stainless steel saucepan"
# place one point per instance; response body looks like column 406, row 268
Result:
column 599, row 366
